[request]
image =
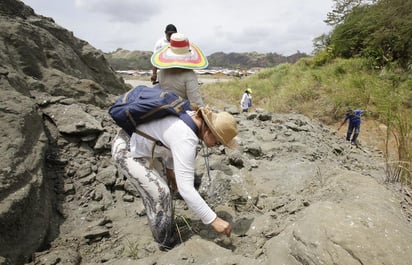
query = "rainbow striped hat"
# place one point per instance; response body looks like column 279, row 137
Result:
column 179, row 54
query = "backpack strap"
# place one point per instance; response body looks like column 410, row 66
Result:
column 186, row 118
column 155, row 142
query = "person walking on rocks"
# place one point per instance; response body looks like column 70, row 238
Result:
column 176, row 63
column 246, row 101
column 354, row 118
column 173, row 167
column 160, row 43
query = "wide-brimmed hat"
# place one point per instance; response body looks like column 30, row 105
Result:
column 180, row 53
column 249, row 90
column 223, row 126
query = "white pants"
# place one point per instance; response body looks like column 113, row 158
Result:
column 152, row 187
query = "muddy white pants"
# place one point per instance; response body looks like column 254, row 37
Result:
column 152, row 187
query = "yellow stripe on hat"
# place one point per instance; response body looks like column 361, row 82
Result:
column 166, row 58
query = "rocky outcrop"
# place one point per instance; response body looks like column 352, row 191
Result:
column 39, row 55
column 294, row 192
column 42, row 64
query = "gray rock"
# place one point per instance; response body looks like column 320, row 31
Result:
column 103, row 142
column 107, row 176
column 71, row 119
column 354, row 227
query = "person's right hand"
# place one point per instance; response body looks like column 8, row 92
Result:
column 221, row 226
column 153, row 78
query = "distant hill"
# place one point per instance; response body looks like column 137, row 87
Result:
column 251, row 59
column 129, row 60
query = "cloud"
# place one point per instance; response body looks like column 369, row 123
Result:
column 263, row 26
column 129, row 11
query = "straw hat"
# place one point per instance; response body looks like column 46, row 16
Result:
column 249, row 90
column 222, row 125
column 180, row 53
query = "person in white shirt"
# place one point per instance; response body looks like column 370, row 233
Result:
column 246, row 101
column 173, row 167
column 160, row 43
column 176, row 63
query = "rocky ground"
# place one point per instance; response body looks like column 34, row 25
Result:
column 295, row 192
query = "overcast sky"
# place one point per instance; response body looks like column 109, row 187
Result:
column 279, row 26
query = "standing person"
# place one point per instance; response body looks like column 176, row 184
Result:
column 354, row 117
column 246, row 101
column 174, row 164
column 176, row 63
column 160, row 43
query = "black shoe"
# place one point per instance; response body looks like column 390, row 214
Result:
column 170, row 243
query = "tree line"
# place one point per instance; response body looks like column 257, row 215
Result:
column 379, row 30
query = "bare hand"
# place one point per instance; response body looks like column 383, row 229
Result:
column 153, row 78
column 221, row 226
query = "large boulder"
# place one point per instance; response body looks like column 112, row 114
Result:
column 360, row 224
column 42, row 64
column 37, row 54
column 25, row 206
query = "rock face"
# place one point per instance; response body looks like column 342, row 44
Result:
column 294, row 192
column 39, row 55
column 42, row 65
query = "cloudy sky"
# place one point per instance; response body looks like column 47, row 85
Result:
column 280, row 26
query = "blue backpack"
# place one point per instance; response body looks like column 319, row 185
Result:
column 143, row 104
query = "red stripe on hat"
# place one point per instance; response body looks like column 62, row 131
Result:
column 179, row 44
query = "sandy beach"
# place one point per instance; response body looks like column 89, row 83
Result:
column 146, row 81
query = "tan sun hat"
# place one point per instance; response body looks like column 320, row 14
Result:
column 223, row 126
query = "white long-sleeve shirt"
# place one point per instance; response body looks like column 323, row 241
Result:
column 182, row 141
column 160, row 43
column 245, row 101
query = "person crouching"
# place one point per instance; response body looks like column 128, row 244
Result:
column 174, row 167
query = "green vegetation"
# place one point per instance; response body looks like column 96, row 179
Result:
column 364, row 62
column 381, row 31
column 325, row 92
column 250, row 59
column 129, row 60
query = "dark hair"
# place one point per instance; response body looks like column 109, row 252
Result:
column 170, row 28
